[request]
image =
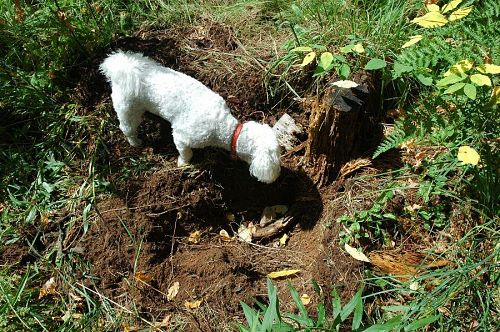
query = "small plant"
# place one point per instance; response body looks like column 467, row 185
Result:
column 362, row 224
column 269, row 318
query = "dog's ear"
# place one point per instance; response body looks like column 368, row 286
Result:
column 265, row 166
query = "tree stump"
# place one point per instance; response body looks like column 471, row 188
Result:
column 343, row 126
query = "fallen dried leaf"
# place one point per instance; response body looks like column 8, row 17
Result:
column 346, row 84
column 143, row 276
column 282, row 273
column 224, row 236
column 358, row 255
column 48, row 288
column 194, row 237
column 165, row 322
column 193, row 304
column 172, row 291
column 244, row 233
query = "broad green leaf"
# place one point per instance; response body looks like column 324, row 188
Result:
column 336, row 304
column 302, row 309
column 358, row 313
column 251, row 315
column 489, row 69
column 358, row 48
column 418, row 324
column 302, row 49
column 374, row 64
column 432, row 7
column 400, row 68
column 480, row 80
column 347, row 48
column 470, row 91
column 344, row 71
column 425, row 80
column 413, row 40
column 351, row 305
column 450, row 79
column 454, row 88
column 308, row 58
column 431, row 20
column 340, row 58
column 461, row 66
column 450, row 6
column 460, row 13
column 326, row 59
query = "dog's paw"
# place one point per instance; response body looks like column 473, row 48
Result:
column 182, row 162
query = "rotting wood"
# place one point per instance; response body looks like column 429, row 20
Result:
column 343, row 126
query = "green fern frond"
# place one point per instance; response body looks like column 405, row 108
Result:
column 395, row 139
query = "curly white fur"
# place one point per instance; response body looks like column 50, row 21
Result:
column 199, row 117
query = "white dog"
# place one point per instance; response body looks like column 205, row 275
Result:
column 199, row 117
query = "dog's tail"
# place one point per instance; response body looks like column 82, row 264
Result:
column 124, row 69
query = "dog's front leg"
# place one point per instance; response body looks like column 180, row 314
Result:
column 185, row 152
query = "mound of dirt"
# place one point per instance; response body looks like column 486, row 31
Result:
column 139, row 243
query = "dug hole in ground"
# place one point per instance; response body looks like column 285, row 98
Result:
column 155, row 243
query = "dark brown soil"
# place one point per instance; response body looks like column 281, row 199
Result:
column 138, row 243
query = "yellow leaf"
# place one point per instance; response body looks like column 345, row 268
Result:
column 460, row 13
column 432, row 7
column 308, row 58
column 283, row 240
column 460, row 67
column 495, row 95
column 489, row 69
column 282, row 273
column 358, row 48
column 172, row 291
column 431, row 20
column 305, row 299
column 450, row 6
column 358, row 255
column 194, row 237
column 468, row 155
column 480, row 80
column 193, row 304
column 413, row 40
column 48, row 288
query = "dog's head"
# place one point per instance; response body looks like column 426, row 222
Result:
column 265, row 152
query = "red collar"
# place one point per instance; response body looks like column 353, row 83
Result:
column 234, row 140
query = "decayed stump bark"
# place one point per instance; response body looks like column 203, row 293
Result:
column 343, row 125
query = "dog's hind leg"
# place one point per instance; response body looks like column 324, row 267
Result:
column 185, row 152
column 130, row 118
